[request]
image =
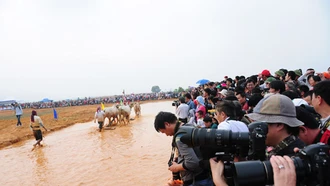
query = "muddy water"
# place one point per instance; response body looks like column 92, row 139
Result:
column 80, row 155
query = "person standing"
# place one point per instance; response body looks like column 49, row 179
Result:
column 35, row 125
column 99, row 115
column 182, row 110
column 18, row 112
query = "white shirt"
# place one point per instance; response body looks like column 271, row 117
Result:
column 99, row 116
column 18, row 110
column 182, row 111
column 323, row 120
column 233, row 125
column 200, row 123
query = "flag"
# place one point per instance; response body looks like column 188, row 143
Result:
column 55, row 113
column 102, row 106
column 124, row 91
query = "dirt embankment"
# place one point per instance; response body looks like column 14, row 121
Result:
column 10, row 134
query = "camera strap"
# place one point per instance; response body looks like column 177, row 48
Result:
column 325, row 126
column 283, row 144
column 176, row 128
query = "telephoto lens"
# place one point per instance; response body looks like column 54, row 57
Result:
column 311, row 164
column 194, row 137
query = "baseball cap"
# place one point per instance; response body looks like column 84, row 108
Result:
column 276, row 108
column 265, row 73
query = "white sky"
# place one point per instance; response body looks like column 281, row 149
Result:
column 63, row 49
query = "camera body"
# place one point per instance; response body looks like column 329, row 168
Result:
column 175, row 103
column 175, row 175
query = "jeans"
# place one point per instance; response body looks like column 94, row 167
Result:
column 205, row 182
column 18, row 120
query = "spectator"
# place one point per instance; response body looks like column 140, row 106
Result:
column 279, row 113
column 308, row 97
column 226, row 116
column 209, row 123
column 276, row 86
column 18, row 112
column 182, row 110
column 189, row 101
column 321, row 104
column 241, row 97
column 309, row 133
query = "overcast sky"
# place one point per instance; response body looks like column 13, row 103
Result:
column 63, row 49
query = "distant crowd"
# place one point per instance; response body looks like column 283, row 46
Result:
column 98, row 100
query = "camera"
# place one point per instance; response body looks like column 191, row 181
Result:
column 175, row 103
column 225, row 144
column 175, row 175
column 214, row 142
column 312, row 163
column 312, row 168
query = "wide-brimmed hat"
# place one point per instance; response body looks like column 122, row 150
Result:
column 276, row 108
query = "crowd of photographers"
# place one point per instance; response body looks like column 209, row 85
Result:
column 263, row 117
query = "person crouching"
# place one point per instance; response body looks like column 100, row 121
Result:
column 35, row 125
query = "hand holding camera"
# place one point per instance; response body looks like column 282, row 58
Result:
column 284, row 171
column 217, row 168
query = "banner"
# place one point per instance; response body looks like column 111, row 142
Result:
column 55, row 113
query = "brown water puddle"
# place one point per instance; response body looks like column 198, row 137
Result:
column 79, row 155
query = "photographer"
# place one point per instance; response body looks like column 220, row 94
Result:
column 188, row 162
column 310, row 132
column 279, row 113
column 182, row 110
